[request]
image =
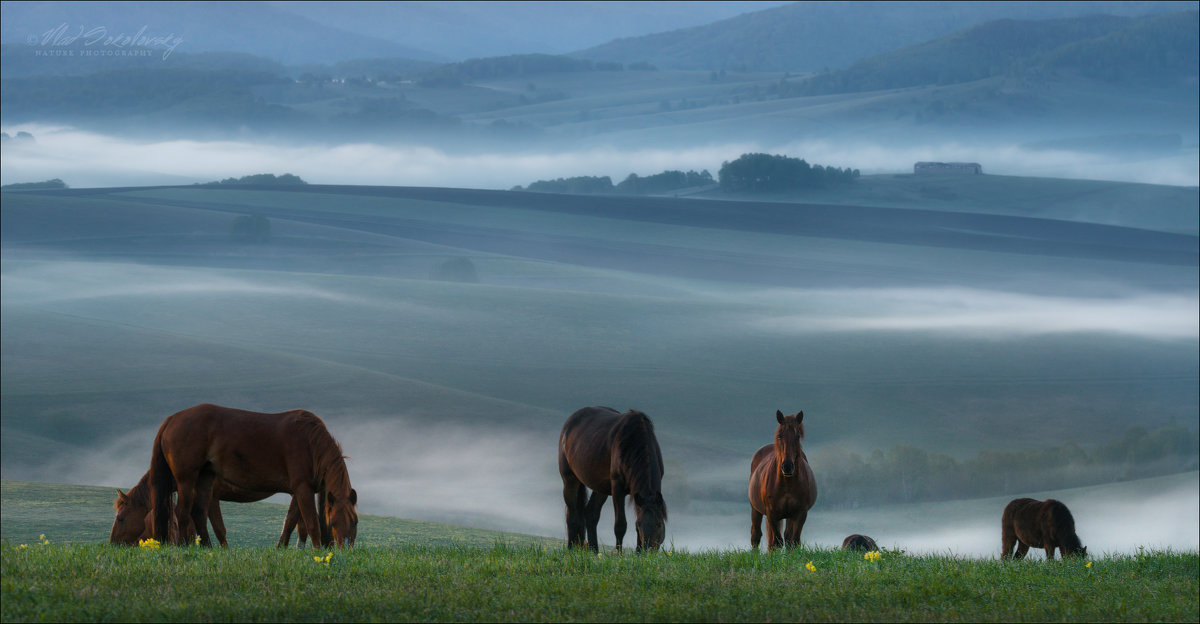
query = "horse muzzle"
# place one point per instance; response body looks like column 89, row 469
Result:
column 788, row 468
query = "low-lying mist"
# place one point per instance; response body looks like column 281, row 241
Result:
column 992, row 314
column 88, row 159
column 498, row 478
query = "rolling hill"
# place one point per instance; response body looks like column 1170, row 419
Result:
column 815, row 36
column 961, row 331
column 1159, row 51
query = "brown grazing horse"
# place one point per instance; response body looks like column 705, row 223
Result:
column 133, row 520
column 615, row 455
column 290, row 452
column 782, row 485
column 859, row 542
column 1041, row 524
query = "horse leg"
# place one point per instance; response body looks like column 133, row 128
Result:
column 289, row 523
column 773, row 537
column 1049, row 553
column 218, row 522
column 326, row 535
column 303, row 494
column 186, row 488
column 794, row 526
column 755, row 527
column 619, row 524
column 204, row 487
column 592, row 514
column 1022, row 548
column 576, row 499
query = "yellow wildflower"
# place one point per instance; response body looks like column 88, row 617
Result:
column 810, row 566
column 873, row 556
column 149, row 543
column 317, row 559
column 1088, row 565
column 328, row 556
column 197, row 540
column 22, row 546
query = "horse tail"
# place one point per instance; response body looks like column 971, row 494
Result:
column 162, row 486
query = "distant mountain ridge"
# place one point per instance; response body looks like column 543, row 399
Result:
column 1159, row 50
column 813, row 36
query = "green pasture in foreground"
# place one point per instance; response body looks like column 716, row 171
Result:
column 81, row 514
column 419, row 571
column 505, row 582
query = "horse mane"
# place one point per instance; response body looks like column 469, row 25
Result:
column 328, row 460
column 638, row 454
column 138, row 494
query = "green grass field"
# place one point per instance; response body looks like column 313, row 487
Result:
column 505, row 582
column 55, row 566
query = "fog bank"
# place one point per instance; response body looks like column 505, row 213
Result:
column 88, row 159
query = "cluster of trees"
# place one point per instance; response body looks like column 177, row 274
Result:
column 750, row 173
column 764, row 173
column 907, row 474
column 21, row 137
column 579, row 185
column 286, row 179
column 665, row 182
column 34, row 186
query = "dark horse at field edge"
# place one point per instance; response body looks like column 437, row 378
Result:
column 616, row 455
column 1044, row 524
column 782, row 486
column 859, row 542
column 290, row 452
column 133, row 520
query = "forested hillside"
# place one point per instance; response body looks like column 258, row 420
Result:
column 1160, row 50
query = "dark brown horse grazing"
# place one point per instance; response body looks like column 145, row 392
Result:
column 859, row 542
column 614, row 455
column 290, row 452
column 133, row 520
column 1041, row 524
column 782, row 485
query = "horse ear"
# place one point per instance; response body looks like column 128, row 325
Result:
column 800, row 416
column 122, row 496
column 353, row 497
column 779, row 416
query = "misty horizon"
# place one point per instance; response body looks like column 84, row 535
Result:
column 89, row 160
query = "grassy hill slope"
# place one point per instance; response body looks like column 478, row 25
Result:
column 810, row 36
column 954, row 331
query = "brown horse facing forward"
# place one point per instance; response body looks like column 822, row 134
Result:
column 1041, row 524
column 133, row 521
column 612, row 454
column 782, row 485
column 290, row 452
